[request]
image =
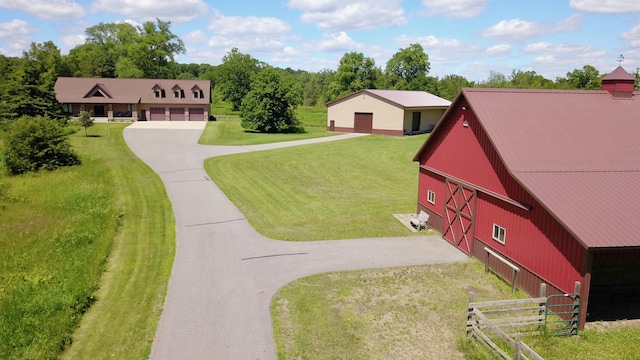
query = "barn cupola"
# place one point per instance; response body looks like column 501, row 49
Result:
column 619, row 83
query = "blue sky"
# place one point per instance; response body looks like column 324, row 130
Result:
column 465, row 37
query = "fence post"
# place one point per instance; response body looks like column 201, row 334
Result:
column 543, row 293
column 469, row 312
column 575, row 316
column 517, row 348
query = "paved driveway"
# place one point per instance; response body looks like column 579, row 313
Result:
column 225, row 273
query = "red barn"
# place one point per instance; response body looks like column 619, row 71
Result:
column 547, row 179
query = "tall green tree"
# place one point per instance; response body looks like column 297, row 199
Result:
column 587, row 78
column 356, row 72
column 29, row 89
column 408, row 68
column 126, row 51
column 271, row 103
column 156, row 48
column 496, row 80
column 529, row 80
column 450, row 85
column 105, row 44
column 235, row 75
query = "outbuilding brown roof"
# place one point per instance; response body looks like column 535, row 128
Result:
column 73, row 90
column 576, row 152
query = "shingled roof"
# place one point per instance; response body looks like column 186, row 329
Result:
column 576, row 152
column 72, row 90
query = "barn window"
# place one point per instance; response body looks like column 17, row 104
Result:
column 499, row 233
column 431, row 197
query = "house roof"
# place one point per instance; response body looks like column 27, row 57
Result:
column 576, row 152
column 401, row 98
column 127, row 91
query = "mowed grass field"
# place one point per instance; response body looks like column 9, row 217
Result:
column 227, row 130
column 85, row 255
column 335, row 190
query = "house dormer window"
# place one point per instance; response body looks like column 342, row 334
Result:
column 178, row 93
column 159, row 92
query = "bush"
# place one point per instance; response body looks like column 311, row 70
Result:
column 270, row 105
column 37, row 143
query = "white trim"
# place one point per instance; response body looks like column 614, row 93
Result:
column 500, row 231
column 431, row 197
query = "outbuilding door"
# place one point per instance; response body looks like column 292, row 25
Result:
column 156, row 114
column 363, row 123
column 459, row 209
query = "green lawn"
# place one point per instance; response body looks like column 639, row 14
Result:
column 227, row 130
column 96, row 237
column 336, row 190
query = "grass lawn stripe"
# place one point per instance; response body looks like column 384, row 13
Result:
column 122, row 323
column 335, row 190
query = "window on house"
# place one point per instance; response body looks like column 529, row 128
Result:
column 163, row 94
column 196, row 94
column 431, row 197
column 499, row 233
column 201, row 94
column 176, row 94
column 181, row 94
column 158, row 94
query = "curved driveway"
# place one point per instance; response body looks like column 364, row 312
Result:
column 225, row 273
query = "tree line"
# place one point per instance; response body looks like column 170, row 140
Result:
column 123, row 50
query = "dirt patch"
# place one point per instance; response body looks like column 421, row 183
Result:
column 612, row 325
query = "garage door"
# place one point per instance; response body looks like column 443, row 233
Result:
column 196, row 114
column 363, row 123
column 176, row 114
column 156, row 114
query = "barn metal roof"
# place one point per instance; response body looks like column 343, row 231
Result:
column 401, row 98
column 128, row 91
column 576, row 152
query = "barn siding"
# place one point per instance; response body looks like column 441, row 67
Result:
column 535, row 240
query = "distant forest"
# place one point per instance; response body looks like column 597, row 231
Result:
column 121, row 50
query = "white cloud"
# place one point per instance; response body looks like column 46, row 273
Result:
column 195, row 37
column 499, row 50
column 350, row 14
column 555, row 60
column 166, row 10
column 46, row 9
column 336, row 42
column 521, row 30
column 243, row 25
column 257, row 36
column 15, row 35
column 633, row 36
column 606, row 6
column 454, row 8
column 72, row 40
column 444, row 50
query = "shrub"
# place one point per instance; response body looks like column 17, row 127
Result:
column 85, row 120
column 37, row 143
